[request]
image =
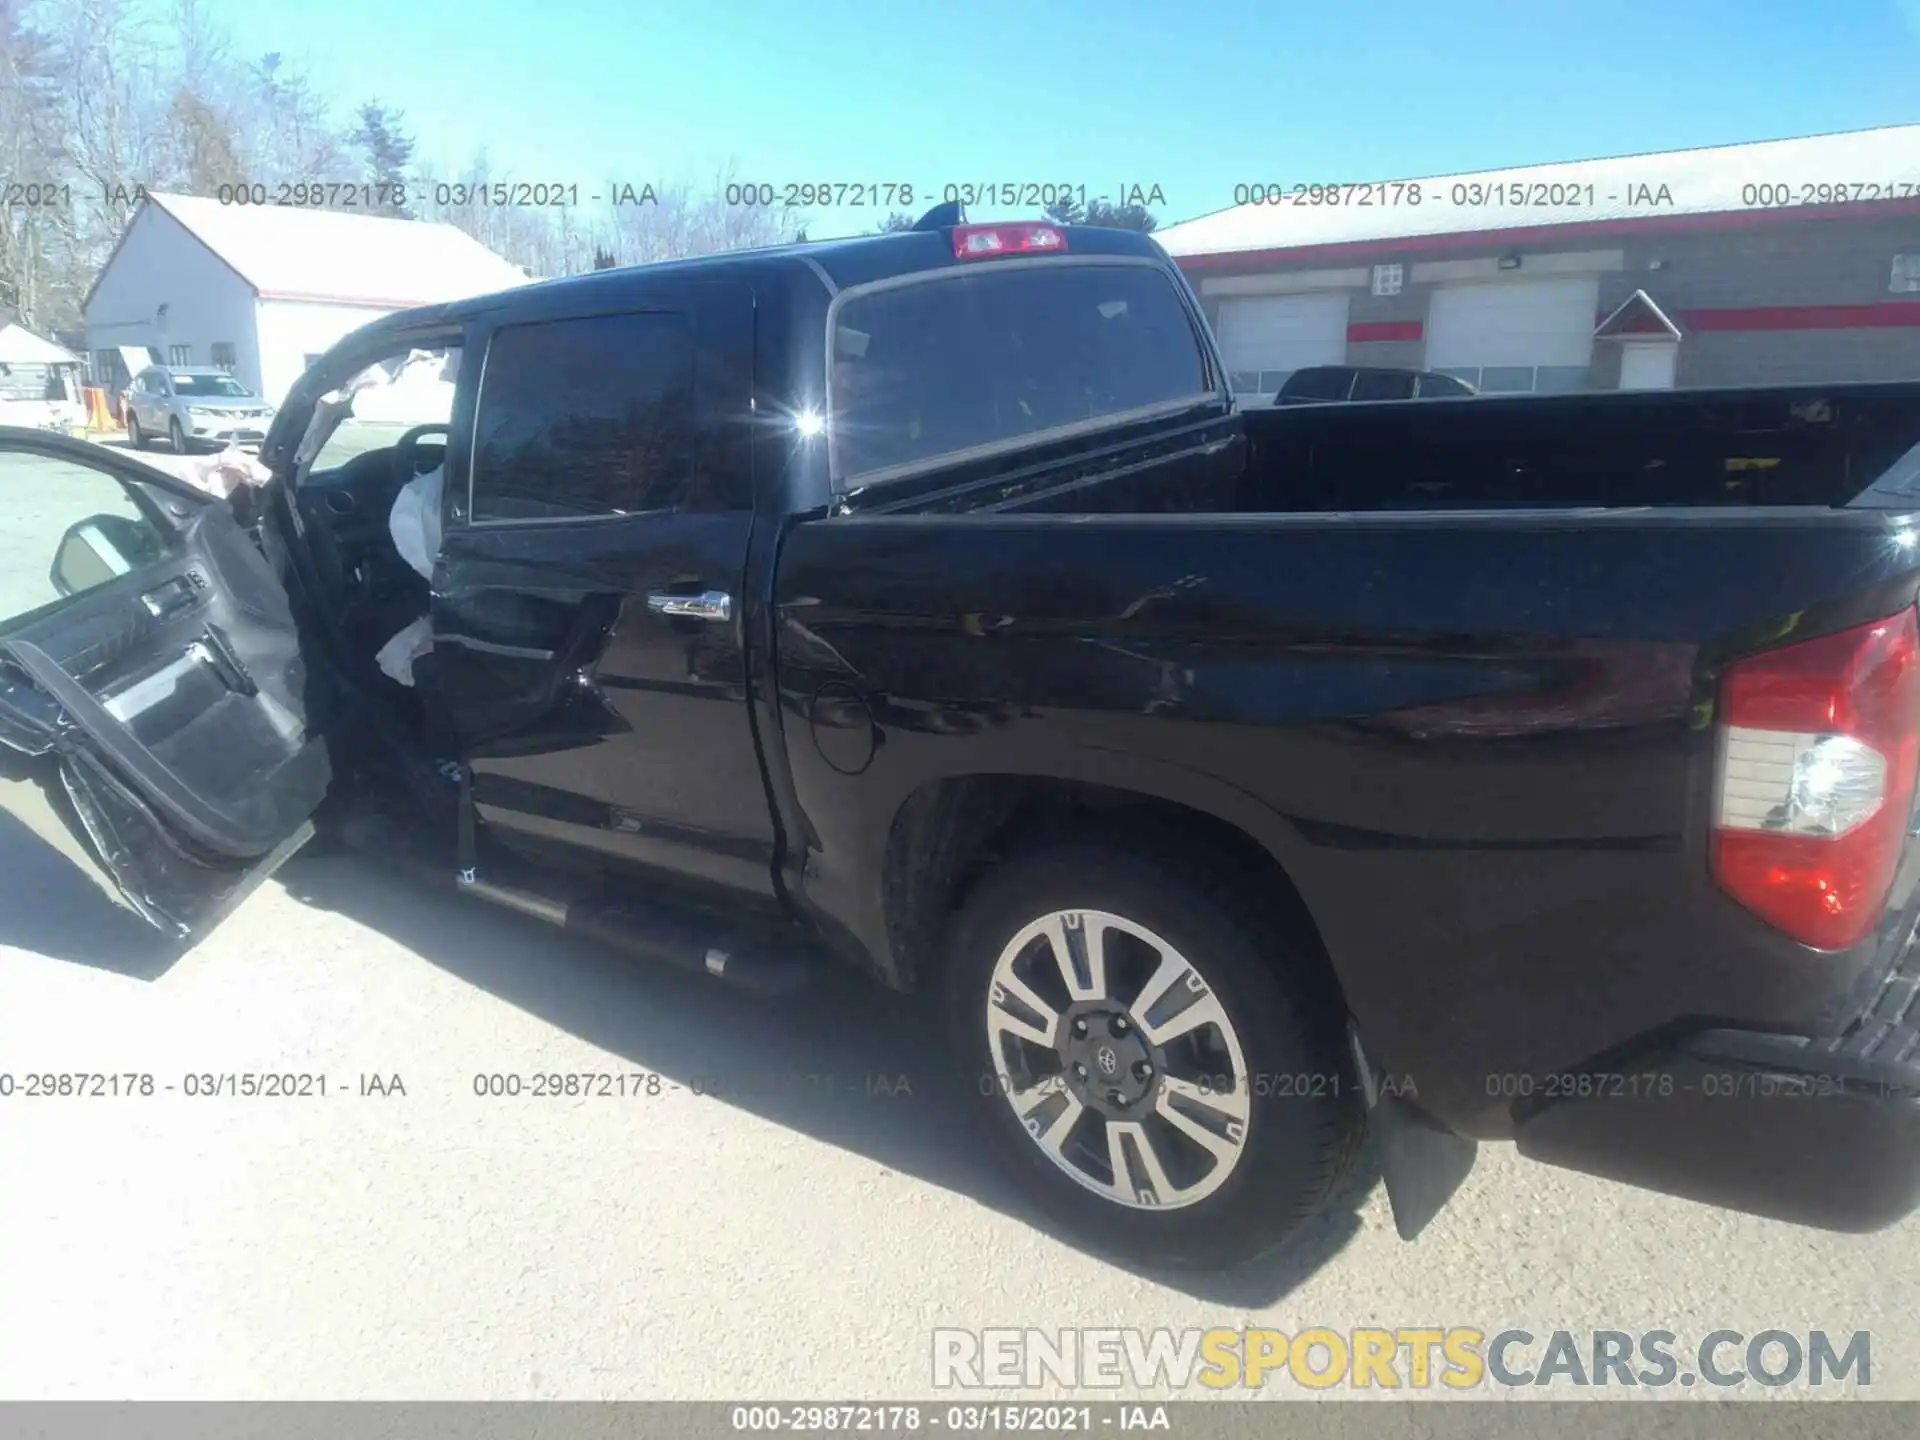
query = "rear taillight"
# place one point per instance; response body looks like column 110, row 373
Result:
column 1818, row 746
column 978, row 242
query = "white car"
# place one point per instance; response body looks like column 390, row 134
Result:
column 193, row 407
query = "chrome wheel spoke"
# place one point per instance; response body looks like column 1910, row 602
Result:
column 1230, row 1104
column 1078, row 943
column 1225, row 1148
column 1205, row 1010
column 1151, row 1188
column 1050, row 1135
column 1170, row 969
column 1000, row 1017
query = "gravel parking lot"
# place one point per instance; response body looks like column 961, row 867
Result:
column 797, row 1235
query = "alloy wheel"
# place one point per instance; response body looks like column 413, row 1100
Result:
column 1118, row 1058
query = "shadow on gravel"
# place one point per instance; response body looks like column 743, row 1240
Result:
column 50, row 904
column 846, row 1062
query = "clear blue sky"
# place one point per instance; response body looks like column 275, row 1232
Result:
column 1192, row 97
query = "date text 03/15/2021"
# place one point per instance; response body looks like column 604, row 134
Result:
column 961, row 1419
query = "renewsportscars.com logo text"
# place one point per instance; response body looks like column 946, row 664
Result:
column 1408, row 1357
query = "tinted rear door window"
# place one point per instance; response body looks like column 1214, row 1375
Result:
column 585, row 418
column 953, row 363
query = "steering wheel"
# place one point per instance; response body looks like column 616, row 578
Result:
column 406, row 459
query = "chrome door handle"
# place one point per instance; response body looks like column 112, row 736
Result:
column 709, row 605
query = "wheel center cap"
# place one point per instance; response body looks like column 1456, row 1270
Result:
column 1109, row 1063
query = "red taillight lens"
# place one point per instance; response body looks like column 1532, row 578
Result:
column 1818, row 748
column 977, row 242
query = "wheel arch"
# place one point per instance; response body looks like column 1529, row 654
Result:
column 947, row 833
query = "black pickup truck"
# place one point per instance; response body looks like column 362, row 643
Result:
column 1484, row 769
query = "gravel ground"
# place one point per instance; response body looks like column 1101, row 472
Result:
column 795, row 1236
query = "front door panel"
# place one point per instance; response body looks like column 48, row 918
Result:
column 151, row 686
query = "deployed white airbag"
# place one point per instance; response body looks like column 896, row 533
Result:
column 414, row 521
column 396, row 657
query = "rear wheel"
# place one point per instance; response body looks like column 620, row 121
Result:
column 135, row 436
column 1158, row 1071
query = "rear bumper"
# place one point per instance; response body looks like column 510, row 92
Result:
column 1820, row 1132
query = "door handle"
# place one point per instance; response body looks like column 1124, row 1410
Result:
column 708, row 605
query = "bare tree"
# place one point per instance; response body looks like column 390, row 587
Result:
column 681, row 222
column 105, row 100
column 110, row 58
column 108, row 136
column 469, row 199
column 30, row 150
column 210, row 153
column 291, row 134
column 204, row 116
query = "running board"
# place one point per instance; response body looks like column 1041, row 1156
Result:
column 770, row 960
column 686, row 939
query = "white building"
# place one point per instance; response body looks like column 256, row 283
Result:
column 261, row 290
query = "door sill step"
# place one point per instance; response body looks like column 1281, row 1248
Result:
column 768, row 960
column 689, row 939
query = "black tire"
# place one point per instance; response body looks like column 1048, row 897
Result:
column 177, row 435
column 135, row 436
column 1301, row 1140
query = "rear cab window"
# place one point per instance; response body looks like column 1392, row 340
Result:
column 1382, row 385
column 1433, row 383
column 1328, row 383
column 953, row 364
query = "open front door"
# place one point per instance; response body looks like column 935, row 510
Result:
column 152, row 696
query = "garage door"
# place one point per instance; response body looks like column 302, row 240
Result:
column 1515, row 335
column 1265, row 338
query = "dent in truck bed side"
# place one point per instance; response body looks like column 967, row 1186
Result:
column 1479, row 754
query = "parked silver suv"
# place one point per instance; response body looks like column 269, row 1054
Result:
column 193, row 407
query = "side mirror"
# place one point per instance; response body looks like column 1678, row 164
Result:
column 98, row 549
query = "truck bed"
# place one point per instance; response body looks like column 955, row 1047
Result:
column 1823, row 446
column 1452, row 661
column 1788, row 447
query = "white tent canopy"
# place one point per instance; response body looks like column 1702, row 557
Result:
column 20, row 346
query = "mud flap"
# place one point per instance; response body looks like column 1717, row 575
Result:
column 1422, row 1162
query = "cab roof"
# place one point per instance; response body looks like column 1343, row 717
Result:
column 834, row 264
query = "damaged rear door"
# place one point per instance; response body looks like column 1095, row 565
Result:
column 152, row 695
